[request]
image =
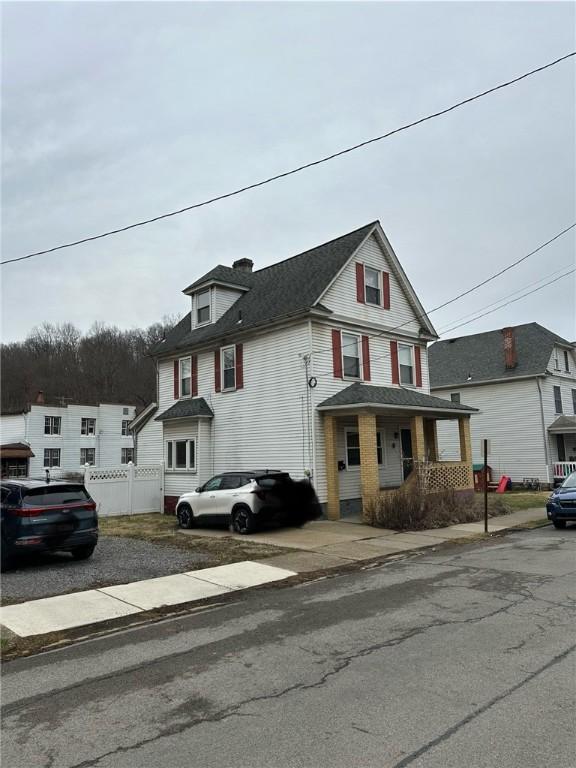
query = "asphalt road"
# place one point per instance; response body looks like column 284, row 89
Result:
column 459, row 658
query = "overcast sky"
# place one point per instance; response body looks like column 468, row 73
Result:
column 115, row 112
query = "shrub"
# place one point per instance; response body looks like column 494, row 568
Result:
column 412, row 509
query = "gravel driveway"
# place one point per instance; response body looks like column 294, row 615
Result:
column 116, row 560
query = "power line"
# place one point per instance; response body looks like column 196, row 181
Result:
column 300, row 168
column 467, row 322
column 464, row 293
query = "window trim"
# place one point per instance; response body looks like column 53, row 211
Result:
column 200, row 323
column 122, row 453
column 556, row 359
column 172, row 442
column 574, row 401
column 413, row 366
column 222, row 350
column 454, row 397
column 127, row 432
column 380, row 433
column 181, row 378
column 556, row 390
column 566, row 362
column 380, row 286
column 50, row 465
column 91, row 463
column 52, row 420
column 357, row 336
column 87, row 433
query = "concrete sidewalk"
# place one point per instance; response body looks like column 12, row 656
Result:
column 318, row 546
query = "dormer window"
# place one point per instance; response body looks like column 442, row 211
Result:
column 203, row 307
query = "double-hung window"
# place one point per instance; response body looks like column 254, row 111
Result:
column 228, row 367
column 87, row 456
column 203, row 307
column 406, row 363
column 566, row 362
column 353, row 448
column 372, row 287
column 52, row 425
column 125, row 428
column 51, row 457
column 181, row 455
column 127, row 455
column 558, row 399
column 88, row 427
column 455, row 397
column 574, row 400
column 185, row 376
column 556, row 360
column 351, row 356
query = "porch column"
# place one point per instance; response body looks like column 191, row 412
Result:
column 333, row 490
column 417, row 430
column 431, row 438
column 465, row 441
column 369, row 477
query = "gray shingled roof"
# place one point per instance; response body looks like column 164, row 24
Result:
column 366, row 394
column 481, row 356
column 187, row 409
column 288, row 288
column 563, row 424
column 227, row 275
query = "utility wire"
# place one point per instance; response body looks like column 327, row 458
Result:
column 300, row 168
column 467, row 322
column 464, row 293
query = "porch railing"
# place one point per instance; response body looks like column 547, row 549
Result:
column 563, row 468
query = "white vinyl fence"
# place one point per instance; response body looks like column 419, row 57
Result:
column 126, row 490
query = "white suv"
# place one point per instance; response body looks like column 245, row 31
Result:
column 245, row 498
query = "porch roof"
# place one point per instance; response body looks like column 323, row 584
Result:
column 367, row 396
column 563, row 424
column 16, row 451
column 192, row 408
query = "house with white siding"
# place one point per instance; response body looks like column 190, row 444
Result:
column 64, row 438
column 522, row 380
column 316, row 365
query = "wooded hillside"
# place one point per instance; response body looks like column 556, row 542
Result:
column 105, row 365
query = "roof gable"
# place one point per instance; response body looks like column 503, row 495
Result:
column 480, row 357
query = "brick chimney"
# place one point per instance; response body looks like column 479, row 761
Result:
column 40, row 397
column 243, row 265
column 510, row 359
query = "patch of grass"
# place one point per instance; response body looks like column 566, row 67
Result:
column 163, row 529
column 516, row 500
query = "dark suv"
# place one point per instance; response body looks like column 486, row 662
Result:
column 40, row 516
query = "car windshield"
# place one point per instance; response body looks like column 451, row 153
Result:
column 570, row 481
column 51, row 496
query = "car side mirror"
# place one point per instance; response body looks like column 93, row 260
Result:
column 199, row 489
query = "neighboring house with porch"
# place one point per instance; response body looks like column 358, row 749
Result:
column 523, row 381
column 316, row 365
column 64, row 438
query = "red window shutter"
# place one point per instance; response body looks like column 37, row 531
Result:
column 176, row 379
column 239, row 366
column 394, row 360
column 385, row 290
column 366, row 357
column 217, row 380
column 337, row 354
column 194, row 371
column 360, row 295
column 418, row 365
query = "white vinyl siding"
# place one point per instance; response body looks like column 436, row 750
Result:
column 224, row 298
column 341, row 296
column 149, row 448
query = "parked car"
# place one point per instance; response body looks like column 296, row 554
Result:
column 39, row 516
column 246, row 499
column 561, row 506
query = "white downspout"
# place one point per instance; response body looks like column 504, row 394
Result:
column 544, row 434
column 312, row 414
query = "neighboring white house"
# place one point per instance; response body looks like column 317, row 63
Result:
column 316, row 365
column 64, row 438
column 523, row 381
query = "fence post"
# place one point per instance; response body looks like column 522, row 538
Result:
column 130, row 487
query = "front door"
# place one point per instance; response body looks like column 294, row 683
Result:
column 407, row 458
column 560, row 447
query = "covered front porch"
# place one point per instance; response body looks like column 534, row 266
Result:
column 374, row 437
column 562, row 434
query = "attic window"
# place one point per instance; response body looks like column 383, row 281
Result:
column 203, row 307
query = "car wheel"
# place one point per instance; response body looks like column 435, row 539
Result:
column 83, row 553
column 185, row 516
column 243, row 521
column 559, row 524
